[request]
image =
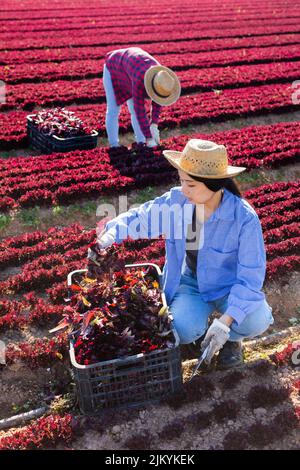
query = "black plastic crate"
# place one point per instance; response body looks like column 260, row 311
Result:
column 50, row 144
column 130, row 381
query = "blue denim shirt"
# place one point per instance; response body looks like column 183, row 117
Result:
column 231, row 261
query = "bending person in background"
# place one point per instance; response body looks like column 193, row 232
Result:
column 133, row 75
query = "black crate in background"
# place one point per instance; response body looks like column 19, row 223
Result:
column 50, row 144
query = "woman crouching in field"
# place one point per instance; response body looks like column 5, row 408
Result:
column 215, row 254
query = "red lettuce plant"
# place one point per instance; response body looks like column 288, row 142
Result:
column 284, row 357
column 139, row 441
column 200, row 420
column 262, row 434
column 236, row 440
column 7, row 204
column 173, row 430
column 259, row 434
column 296, row 385
column 261, row 367
column 44, row 432
column 32, row 309
column 39, row 352
column 261, row 396
column 232, row 379
column 198, row 388
column 286, row 420
column 225, row 410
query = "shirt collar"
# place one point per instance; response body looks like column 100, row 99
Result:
column 225, row 211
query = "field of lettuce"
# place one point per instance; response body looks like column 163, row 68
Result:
column 238, row 63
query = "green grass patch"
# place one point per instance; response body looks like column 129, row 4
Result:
column 279, row 175
column 5, row 220
column 253, row 177
column 258, row 177
column 5, row 155
column 146, row 194
column 30, row 217
column 57, row 211
column 90, row 207
column 85, row 208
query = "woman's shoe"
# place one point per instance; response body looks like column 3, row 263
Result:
column 231, row 355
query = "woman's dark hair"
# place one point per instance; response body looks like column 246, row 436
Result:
column 217, row 184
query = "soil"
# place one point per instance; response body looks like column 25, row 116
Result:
column 24, row 389
column 146, row 425
column 152, row 420
column 284, row 298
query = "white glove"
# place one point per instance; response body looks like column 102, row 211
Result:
column 155, row 133
column 151, row 143
column 105, row 240
column 216, row 336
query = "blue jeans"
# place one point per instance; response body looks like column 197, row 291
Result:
column 190, row 313
column 113, row 111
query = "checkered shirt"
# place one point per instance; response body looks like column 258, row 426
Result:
column 127, row 68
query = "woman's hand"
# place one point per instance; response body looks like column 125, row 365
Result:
column 155, row 133
column 151, row 143
column 215, row 338
column 94, row 257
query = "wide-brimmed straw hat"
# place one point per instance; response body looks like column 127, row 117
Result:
column 162, row 85
column 203, row 158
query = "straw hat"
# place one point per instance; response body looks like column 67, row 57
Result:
column 203, row 158
column 162, row 85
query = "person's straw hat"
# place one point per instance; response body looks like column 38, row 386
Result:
column 162, row 85
column 203, row 158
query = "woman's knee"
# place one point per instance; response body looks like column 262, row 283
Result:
column 188, row 333
column 190, row 322
column 256, row 323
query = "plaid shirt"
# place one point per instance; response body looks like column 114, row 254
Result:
column 127, row 68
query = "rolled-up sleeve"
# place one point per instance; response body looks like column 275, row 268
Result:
column 155, row 112
column 245, row 295
column 140, row 109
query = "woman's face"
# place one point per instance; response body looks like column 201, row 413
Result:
column 196, row 192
